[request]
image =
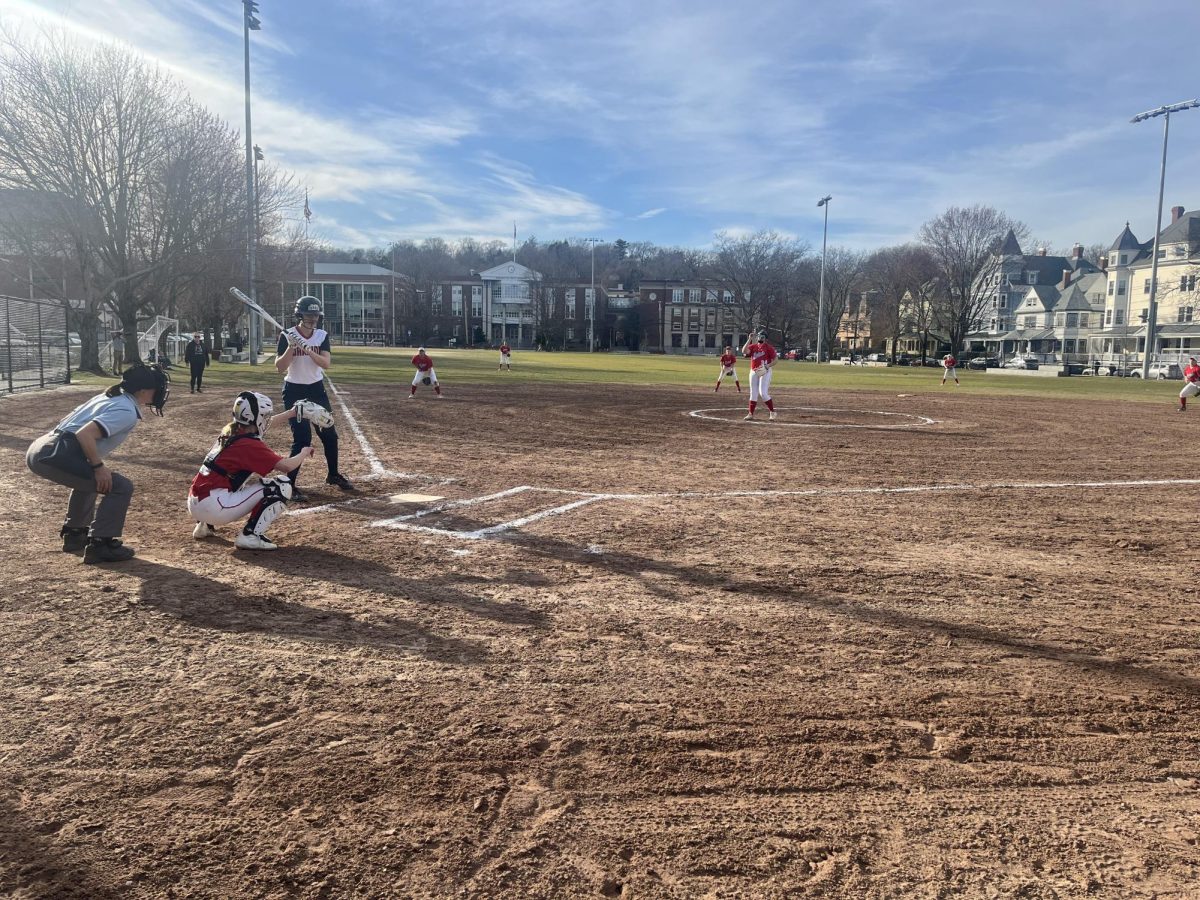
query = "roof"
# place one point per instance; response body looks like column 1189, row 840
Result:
column 1010, row 247
column 1073, row 298
column 1125, row 241
column 359, row 269
column 1185, row 228
column 511, row 269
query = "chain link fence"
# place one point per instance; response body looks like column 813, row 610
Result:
column 36, row 348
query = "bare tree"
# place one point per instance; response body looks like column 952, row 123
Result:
column 843, row 278
column 898, row 275
column 763, row 272
column 963, row 242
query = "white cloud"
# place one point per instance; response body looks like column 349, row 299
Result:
column 651, row 213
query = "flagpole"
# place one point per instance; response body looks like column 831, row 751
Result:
column 307, row 216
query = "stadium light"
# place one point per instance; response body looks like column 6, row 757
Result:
column 1152, row 318
column 824, row 201
column 250, row 22
column 592, row 302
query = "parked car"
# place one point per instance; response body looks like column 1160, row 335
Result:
column 811, row 357
column 1162, row 372
column 877, row 357
column 983, row 362
column 790, row 354
column 1022, row 362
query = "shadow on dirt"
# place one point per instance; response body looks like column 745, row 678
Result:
column 257, row 606
column 31, row 865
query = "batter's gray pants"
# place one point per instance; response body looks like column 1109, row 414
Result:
column 108, row 520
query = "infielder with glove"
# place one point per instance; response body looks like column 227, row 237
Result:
column 728, row 370
column 762, row 357
column 425, row 373
column 1191, row 383
column 73, row 455
column 505, row 357
column 302, row 357
column 235, row 478
column 950, row 364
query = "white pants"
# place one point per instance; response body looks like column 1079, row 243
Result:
column 505, row 359
column 951, row 373
column 760, row 384
column 1191, row 389
column 731, row 372
column 420, row 377
column 224, row 506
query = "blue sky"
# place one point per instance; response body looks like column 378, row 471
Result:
column 669, row 121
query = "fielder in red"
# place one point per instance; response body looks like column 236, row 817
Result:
column 423, row 363
column 1191, row 382
column 728, row 362
column 762, row 357
column 505, row 357
column 951, row 365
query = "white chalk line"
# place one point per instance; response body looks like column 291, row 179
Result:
column 921, row 422
column 408, row 523
column 378, row 469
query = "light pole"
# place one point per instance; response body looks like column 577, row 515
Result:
column 393, row 293
column 592, row 302
column 250, row 22
column 1152, row 313
column 824, row 201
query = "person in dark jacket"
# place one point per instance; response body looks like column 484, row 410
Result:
column 196, row 357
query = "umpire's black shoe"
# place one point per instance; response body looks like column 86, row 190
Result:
column 298, row 496
column 106, row 550
column 74, row 539
column 339, row 481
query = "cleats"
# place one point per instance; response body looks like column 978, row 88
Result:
column 203, row 530
column 254, row 542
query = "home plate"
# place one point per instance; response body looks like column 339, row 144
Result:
column 413, row 498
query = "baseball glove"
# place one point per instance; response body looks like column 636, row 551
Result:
column 426, row 380
column 308, row 411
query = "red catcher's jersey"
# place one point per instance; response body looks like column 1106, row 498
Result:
column 1191, row 374
column 505, row 349
column 728, row 360
column 423, row 363
column 950, row 362
column 242, row 455
column 760, row 355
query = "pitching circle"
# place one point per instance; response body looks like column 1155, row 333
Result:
column 734, row 416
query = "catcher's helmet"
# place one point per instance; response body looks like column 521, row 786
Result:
column 253, row 408
column 308, row 306
column 141, row 377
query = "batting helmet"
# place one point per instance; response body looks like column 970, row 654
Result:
column 308, row 306
column 253, row 408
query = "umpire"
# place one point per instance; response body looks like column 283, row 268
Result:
column 73, row 455
column 196, row 357
column 302, row 356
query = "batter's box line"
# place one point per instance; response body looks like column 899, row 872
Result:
column 408, row 522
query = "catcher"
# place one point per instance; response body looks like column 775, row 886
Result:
column 302, row 356
column 235, row 477
column 425, row 373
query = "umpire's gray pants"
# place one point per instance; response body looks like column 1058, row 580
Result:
column 108, row 520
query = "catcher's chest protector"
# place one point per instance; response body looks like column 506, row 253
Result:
column 212, row 464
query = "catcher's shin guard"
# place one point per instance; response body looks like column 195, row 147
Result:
column 276, row 493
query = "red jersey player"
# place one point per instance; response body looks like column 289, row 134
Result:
column 728, row 361
column 951, row 366
column 1191, row 382
column 762, row 357
column 425, row 373
column 505, row 357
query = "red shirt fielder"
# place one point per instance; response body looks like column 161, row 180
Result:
column 505, row 357
column 951, row 365
column 1191, row 382
column 423, row 363
column 728, row 362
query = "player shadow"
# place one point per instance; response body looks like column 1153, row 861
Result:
column 43, row 869
column 635, row 566
column 367, row 575
column 256, row 607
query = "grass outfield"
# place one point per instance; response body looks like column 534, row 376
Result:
column 374, row 365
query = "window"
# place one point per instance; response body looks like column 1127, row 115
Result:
column 1146, row 286
column 1003, row 298
column 435, row 303
column 1031, row 277
column 729, row 314
column 1186, row 313
column 710, row 340
column 677, row 319
column 1072, row 320
column 1084, row 320
column 1108, row 317
column 729, row 296
column 1121, row 288
column 677, row 295
column 677, row 340
column 477, row 301
column 570, row 334
column 992, row 325
column 1121, row 259
column 1180, row 250
column 1120, row 320
column 1191, row 282
column 710, row 320
column 588, row 296
column 1031, row 302
column 693, row 295
column 456, row 304
column 1097, row 297
column 1111, row 287
column 710, row 295
column 694, row 340
column 1162, row 253
column 569, row 306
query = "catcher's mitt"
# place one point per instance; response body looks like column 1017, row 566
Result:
column 309, row 411
column 426, row 380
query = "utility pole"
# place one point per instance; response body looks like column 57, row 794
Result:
column 824, row 201
column 250, row 22
column 591, row 332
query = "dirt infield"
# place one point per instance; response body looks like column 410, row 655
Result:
column 629, row 652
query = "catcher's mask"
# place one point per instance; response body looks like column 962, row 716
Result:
column 142, row 377
column 309, row 306
column 253, row 408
